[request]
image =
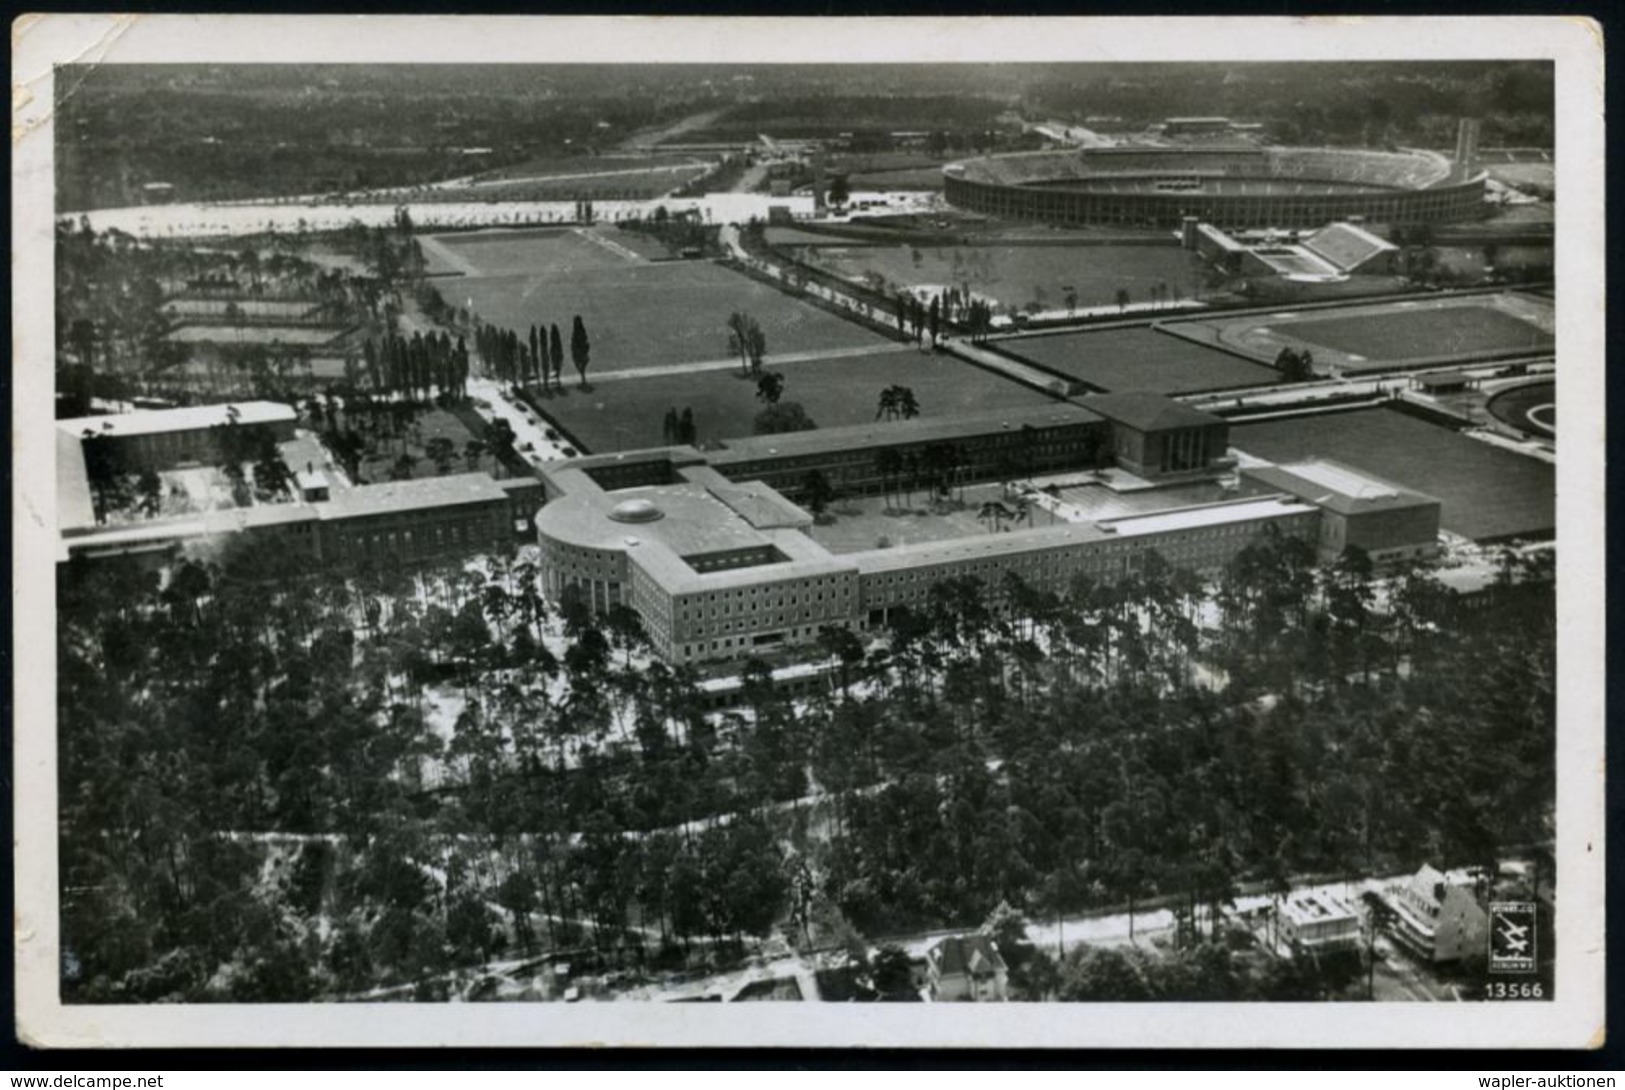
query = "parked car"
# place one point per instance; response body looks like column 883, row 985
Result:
column 527, row 447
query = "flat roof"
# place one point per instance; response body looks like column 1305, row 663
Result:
column 1336, row 486
column 412, row 495
column 1209, row 514
column 900, row 432
column 980, row 547
column 1444, row 378
column 1315, row 906
column 761, row 506
column 188, row 418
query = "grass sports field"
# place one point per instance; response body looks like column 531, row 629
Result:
column 1021, row 275
column 1486, row 492
column 627, row 414
column 1385, row 335
column 638, row 313
column 1139, row 359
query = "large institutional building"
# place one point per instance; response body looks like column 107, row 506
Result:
column 325, row 520
column 718, row 561
column 714, row 553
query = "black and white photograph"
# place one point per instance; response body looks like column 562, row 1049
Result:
column 1061, row 519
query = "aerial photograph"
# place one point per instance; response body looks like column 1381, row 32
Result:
column 822, row 533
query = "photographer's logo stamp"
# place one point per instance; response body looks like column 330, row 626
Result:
column 1512, row 937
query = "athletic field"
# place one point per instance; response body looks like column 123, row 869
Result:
column 1377, row 336
column 1139, row 359
column 639, row 313
column 627, row 414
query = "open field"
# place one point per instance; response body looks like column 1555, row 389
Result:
column 627, row 414
column 561, row 250
column 1385, row 335
column 254, row 334
column 1139, row 359
column 1022, row 276
column 1487, row 492
column 648, row 315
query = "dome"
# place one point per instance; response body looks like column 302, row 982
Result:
column 635, row 511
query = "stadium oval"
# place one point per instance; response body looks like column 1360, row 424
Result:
column 1228, row 187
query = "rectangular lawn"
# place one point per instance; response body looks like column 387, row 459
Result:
column 648, row 314
column 627, row 414
column 1139, row 359
column 1486, row 492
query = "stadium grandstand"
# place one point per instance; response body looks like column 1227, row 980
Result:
column 1232, row 187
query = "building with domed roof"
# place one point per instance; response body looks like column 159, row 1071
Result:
column 718, row 563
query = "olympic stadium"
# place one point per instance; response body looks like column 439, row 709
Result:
column 1232, row 187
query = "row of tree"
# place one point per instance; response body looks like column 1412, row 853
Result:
column 536, row 360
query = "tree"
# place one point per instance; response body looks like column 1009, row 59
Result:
column 892, row 973
column 1122, row 300
column 441, row 452
column 769, row 387
column 785, row 416
column 757, row 348
column 739, row 325
column 816, row 492
column 580, row 349
column 1295, row 365
column 556, row 354
column 838, row 191
column 897, row 402
column 686, row 432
